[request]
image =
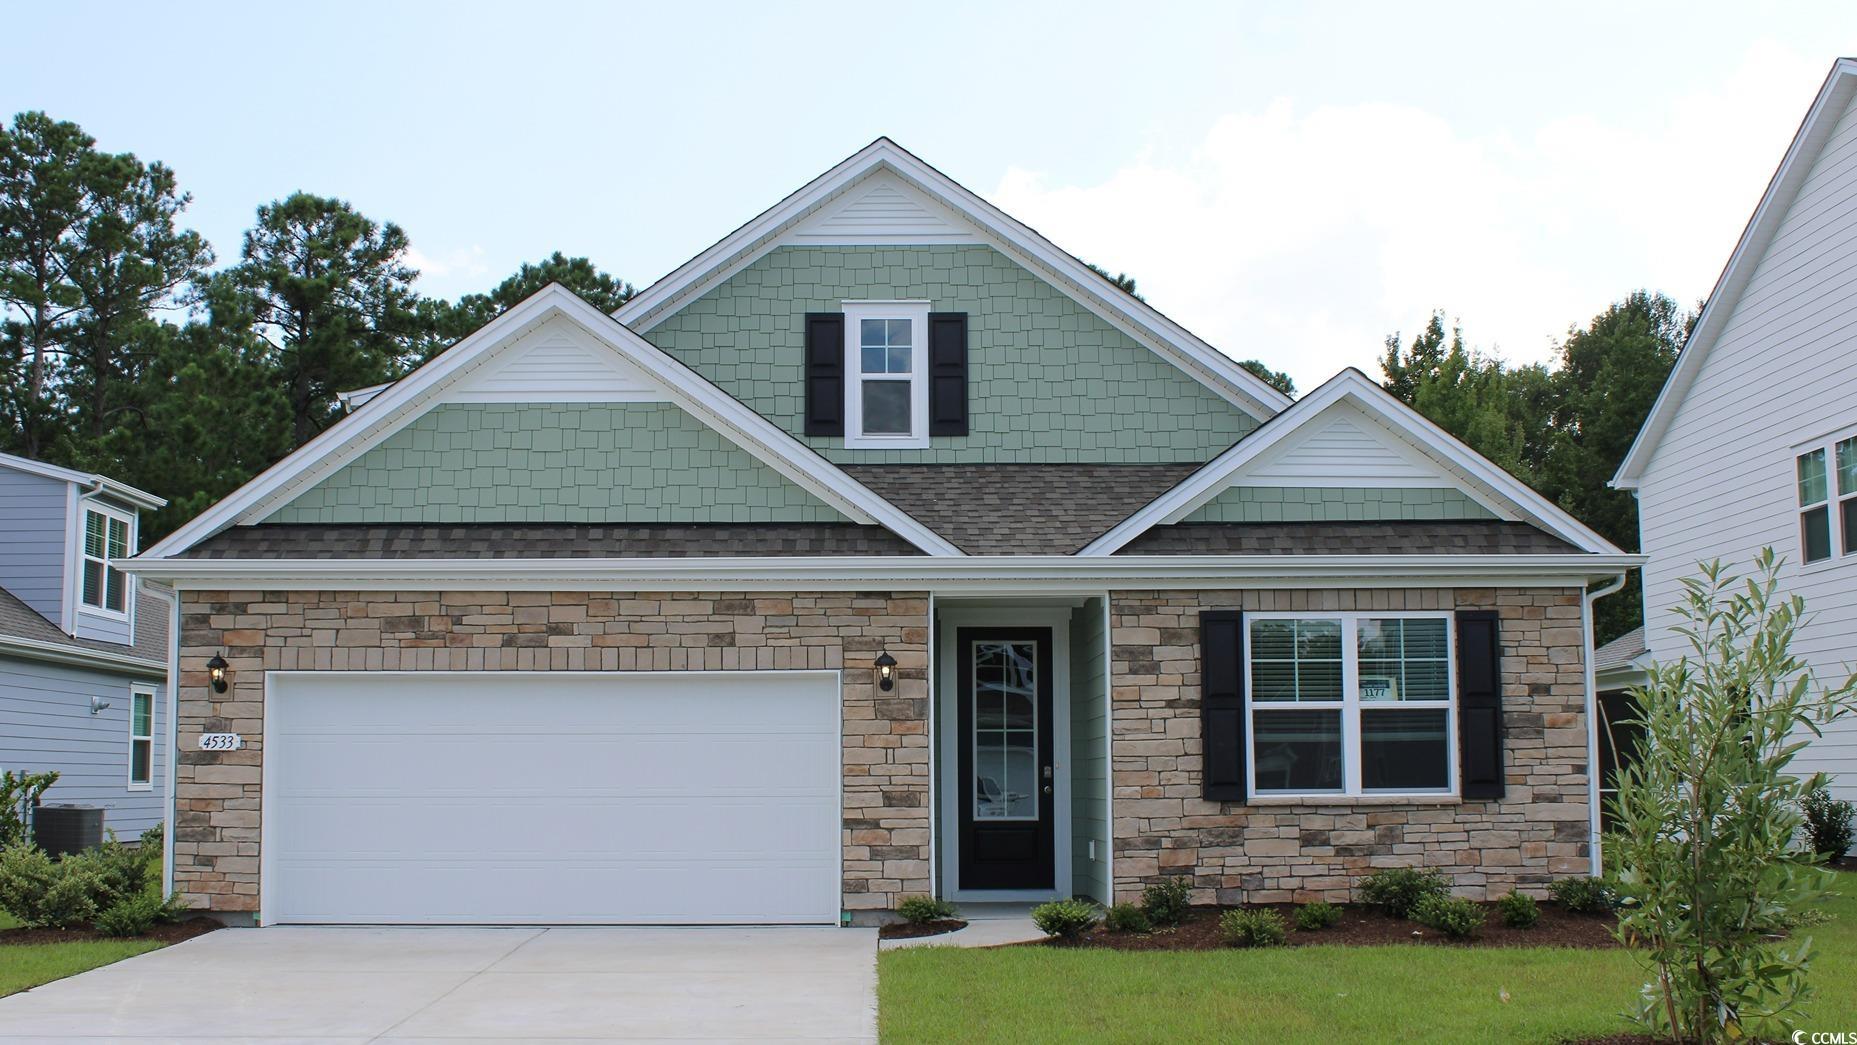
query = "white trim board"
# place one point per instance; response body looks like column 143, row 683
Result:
column 393, row 408
column 93, row 482
column 1027, row 575
column 1502, row 493
column 1808, row 142
column 994, row 227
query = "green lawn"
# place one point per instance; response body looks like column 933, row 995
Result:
column 1033, row 994
column 23, row 966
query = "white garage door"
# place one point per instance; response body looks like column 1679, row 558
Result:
column 538, row 797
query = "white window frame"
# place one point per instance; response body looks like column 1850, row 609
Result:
column 1350, row 704
column 917, row 313
column 84, row 557
column 1836, row 501
column 147, row 692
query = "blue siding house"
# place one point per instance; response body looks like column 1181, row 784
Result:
column 83, row 645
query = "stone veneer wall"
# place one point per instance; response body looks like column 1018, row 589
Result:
column 886, row 778
column 1317, row 850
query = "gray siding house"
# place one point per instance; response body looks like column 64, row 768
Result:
column 83, row 663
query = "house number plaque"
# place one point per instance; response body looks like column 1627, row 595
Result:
column 221, row 741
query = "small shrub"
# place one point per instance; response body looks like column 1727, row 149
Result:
column 41, row 892
column 1828, row 823
column 1518, row 910
column 133, row 915
column 1585, row 895
column 1127, row 918
column 1064, row 919
column 1453, row 916
column 1260, row 928
column 919, row 909
column 118, row 871
column 1166, row 901
column 1397, row 890
column 19, row 791
column 1318, row 915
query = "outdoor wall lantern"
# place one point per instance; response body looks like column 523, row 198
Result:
column 886, row 672
column 216, row 670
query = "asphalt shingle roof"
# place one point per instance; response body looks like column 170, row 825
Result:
column 1465, row 537
column 1020, row 509
column 545, row 541
column 20, row 621
column 1620, row 652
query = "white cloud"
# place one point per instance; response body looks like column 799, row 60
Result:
column 449, row 273
column 1304, row 237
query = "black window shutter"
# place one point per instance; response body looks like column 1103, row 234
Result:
column 825, row 373
column 1479, row 703
column 947, row 373
column 1221, row 674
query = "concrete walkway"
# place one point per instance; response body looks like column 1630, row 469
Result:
column 988, row 925
column 353, row 984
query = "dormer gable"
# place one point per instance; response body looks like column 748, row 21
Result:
column 63, row 534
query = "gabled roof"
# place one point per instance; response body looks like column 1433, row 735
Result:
column 97, row 483
column 1132, row 316
column 392, row 408
column 1353, row 391
column 1833, row 98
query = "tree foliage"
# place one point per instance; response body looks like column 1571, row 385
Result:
column 1709, row 869
column 123, row 352
column 1563, row 430
column 1276, row 379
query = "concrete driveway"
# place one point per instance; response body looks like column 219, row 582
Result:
column 342, row 984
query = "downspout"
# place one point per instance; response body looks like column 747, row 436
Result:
column 173, row 598
column 1592, row 719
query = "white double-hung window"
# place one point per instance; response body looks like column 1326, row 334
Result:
column 1350, row 704
column 106, row 537
column 886, row 370
column 1827, row 500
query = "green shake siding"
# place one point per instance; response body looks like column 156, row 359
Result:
column 1048, row 380
column 1244, row 504
column 571, row 463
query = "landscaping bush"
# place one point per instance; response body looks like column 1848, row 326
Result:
column 1827, row 823
column 1166, row 901
column 1064, row 919
column 917, row 910
column 18, row 791
column 1709, row 813
column 1453, row 916
column 1518, row 910
column 41, row 892
column 1397, row 890
column 1260, row 928
column 1127, row 918
column 1318, row 915
column 1585, row 895
column 118, row 872
column 133, row 915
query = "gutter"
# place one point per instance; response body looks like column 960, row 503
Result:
column 1019, row 574
column 1592, row 721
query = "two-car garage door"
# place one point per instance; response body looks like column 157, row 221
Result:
column 551, row 797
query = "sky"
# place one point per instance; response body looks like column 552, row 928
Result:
column 1291, row 182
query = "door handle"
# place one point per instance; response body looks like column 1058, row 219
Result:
column 1047, row 780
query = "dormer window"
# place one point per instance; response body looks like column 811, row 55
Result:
column 106, row 537
column 886, row 359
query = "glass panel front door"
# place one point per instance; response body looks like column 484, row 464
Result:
column 1006, row 724
column 1007, row 804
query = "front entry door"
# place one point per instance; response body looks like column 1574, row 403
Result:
column 1006, row 801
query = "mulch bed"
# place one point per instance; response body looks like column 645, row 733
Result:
column 171, row 932
column 1364, row 927
column 911, row 931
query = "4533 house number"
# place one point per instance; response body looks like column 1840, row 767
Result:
column 221, row 741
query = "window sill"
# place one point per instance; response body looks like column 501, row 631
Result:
column 1352, row 800
column 133, row 788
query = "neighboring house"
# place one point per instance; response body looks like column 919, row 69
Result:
column 1753, row 441
column 83, row 645
column 882, row 549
